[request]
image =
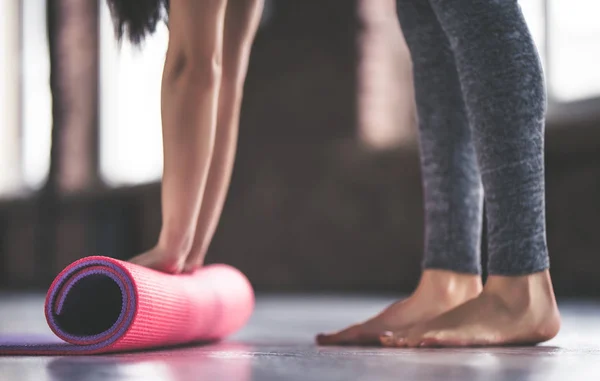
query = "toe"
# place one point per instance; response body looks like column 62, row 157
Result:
column 387, row 339
column 393, row 339
column 368, row 338
column 345, row 337
column 429, row 342
column 416, row 337
column 433, row 339
column 400, row 340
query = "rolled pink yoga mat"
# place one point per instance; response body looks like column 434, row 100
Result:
column 104, row 305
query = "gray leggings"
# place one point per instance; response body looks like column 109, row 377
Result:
column 481, row 104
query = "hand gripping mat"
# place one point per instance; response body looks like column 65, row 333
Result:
column 103, row 305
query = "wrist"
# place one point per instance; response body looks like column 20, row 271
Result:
column 175, row 242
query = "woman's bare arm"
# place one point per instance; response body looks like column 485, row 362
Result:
column 190, row 96
column 241, row 23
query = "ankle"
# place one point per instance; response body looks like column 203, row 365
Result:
column 449, row 285
column 522, row 292
column 530, row 297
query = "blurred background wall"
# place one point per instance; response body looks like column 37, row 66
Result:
column 326, row 192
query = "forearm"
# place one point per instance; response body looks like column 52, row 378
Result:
column 240, row 29
column 189, row 109
column 189, row 104
column 221, row 168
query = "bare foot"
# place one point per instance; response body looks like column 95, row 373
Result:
column 510, row 311
column 438, row 291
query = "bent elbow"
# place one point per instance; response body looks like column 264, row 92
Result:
column 201, row 71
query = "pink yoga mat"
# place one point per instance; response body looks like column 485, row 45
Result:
column 103, row 305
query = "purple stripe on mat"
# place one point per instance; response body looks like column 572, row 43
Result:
column 82, row 274
column 69, row 278
column 7, row 340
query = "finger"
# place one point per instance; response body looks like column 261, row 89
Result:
column 156, row 261
column 194, row 261
column 141, row 259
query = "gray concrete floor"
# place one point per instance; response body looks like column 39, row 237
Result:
column 278, row 345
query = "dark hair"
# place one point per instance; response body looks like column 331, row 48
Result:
column 137, row 18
